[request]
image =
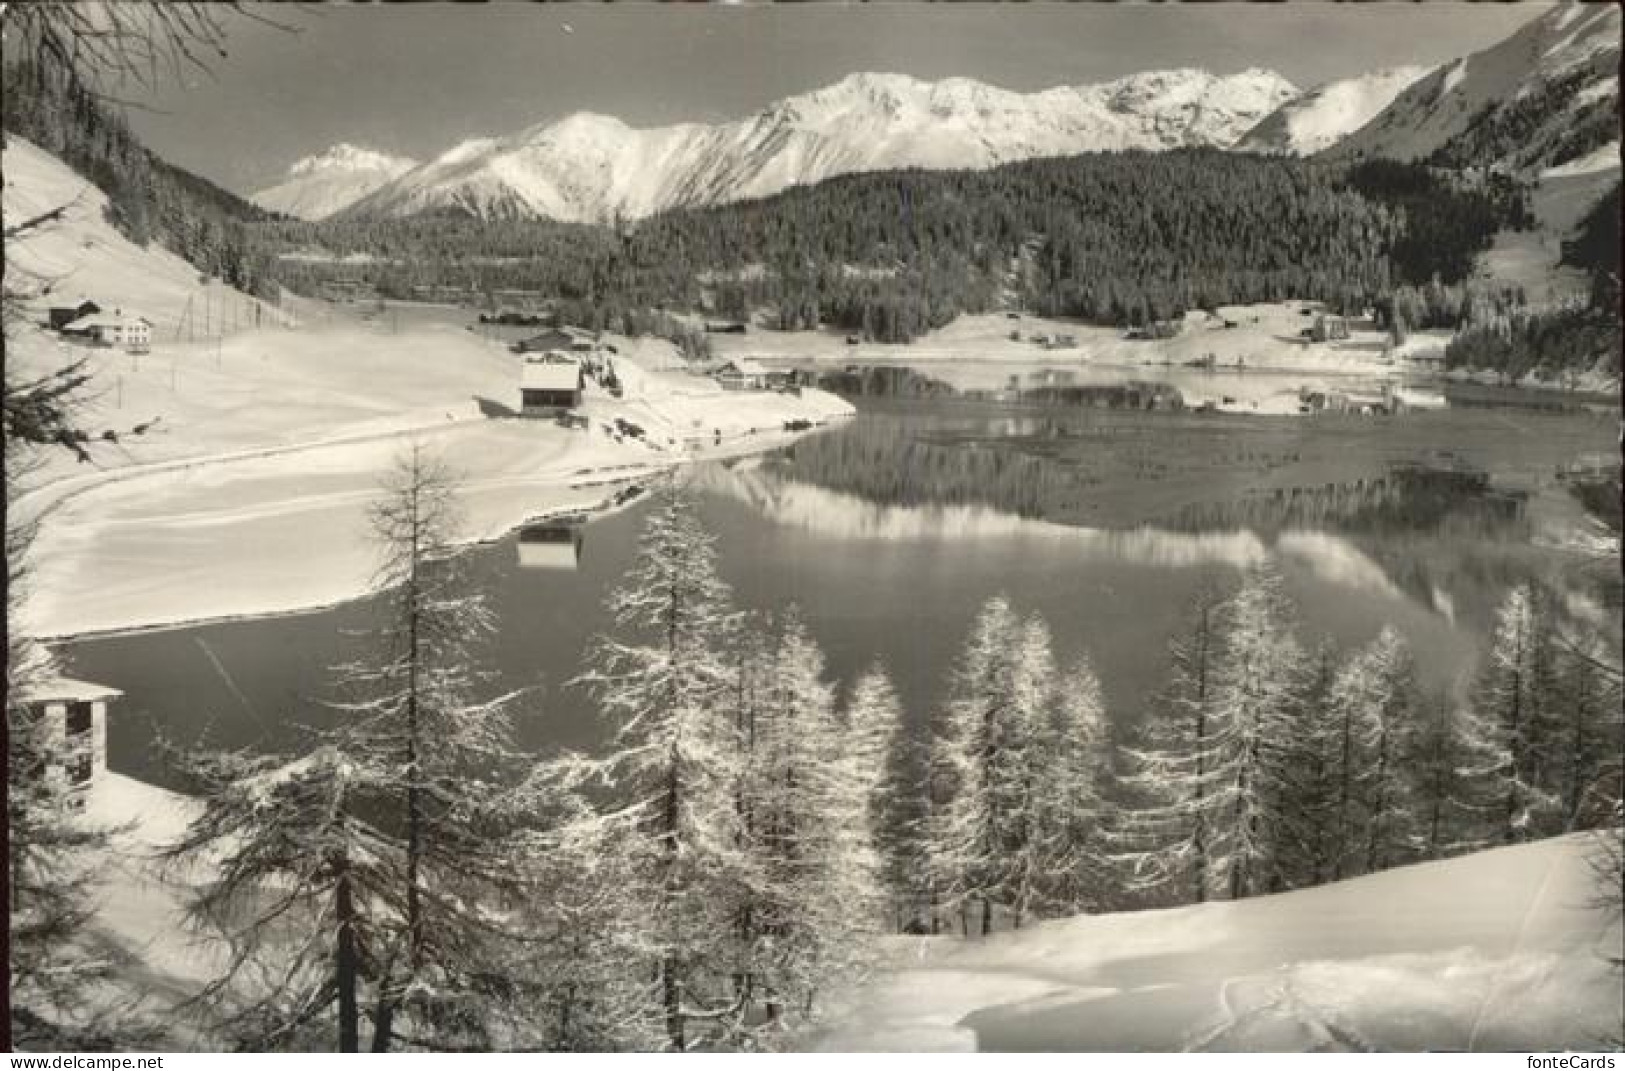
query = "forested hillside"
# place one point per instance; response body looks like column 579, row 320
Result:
column 1551, row 124
column 1116, row 238
column 151, row 199
column 1559, row 342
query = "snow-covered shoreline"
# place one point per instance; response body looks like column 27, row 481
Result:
column 204, row 541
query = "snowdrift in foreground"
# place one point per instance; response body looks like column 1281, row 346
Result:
column 1495, row 951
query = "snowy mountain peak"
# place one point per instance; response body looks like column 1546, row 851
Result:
column 595, row 167
column 347, row 157
column 330, row 181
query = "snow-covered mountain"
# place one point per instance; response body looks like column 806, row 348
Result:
column 1326, row 114
column 1543, row 96
column 593, row 167
column 318, row 186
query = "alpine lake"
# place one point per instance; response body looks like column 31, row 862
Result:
column 889, row 530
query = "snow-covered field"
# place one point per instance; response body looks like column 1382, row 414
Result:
column 1491, row 952
column 250, row 495
column 247, row 492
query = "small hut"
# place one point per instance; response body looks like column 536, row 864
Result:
column 74, row 715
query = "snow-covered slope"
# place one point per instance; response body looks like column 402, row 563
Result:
column 318, row 186
column 593, row 167
column 1519, row 103
column 1602, row 158
column 1328, row 113
column 1497, row 951
column 80, row 255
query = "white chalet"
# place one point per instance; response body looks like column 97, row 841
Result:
column 134, row 333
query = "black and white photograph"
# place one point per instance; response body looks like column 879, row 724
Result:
column 813, row 528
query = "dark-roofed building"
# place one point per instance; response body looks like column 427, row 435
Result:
column 61, row 315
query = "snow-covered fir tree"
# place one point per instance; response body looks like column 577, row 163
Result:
column 1258, row 664
column 808, row 833
column 1442, row 771
column 1037, row 838
column 1510, row 722
column 438, row 750
column 1586, row 712
column 979, row 821
column 885, row 749
column 665, row 795
column 1323, row 774
column 395, row 838
column 1069, row 806
column 304, row 891
column 1017, row 762
column 573, row 988
column 1172, row 784
column 1374, row 704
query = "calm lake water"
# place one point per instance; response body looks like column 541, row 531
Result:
column 873, row 580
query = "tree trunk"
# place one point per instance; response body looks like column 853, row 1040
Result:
column 1379, row 807
column 384, row 1018
column 1199, row 834
column 1344, row 775
column 672, row 997
column 346, row 965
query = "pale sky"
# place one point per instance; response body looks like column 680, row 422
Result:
column 416, row 79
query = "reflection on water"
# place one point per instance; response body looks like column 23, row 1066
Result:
column 1045, row 466
column 1333, row 559
column 551, row 545
column 1409, row 497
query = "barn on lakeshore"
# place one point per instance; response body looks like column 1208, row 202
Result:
column 550, row 386
column 73, row 715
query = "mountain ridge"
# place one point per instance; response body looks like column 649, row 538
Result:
column 1539, row 98
column 593, row 168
